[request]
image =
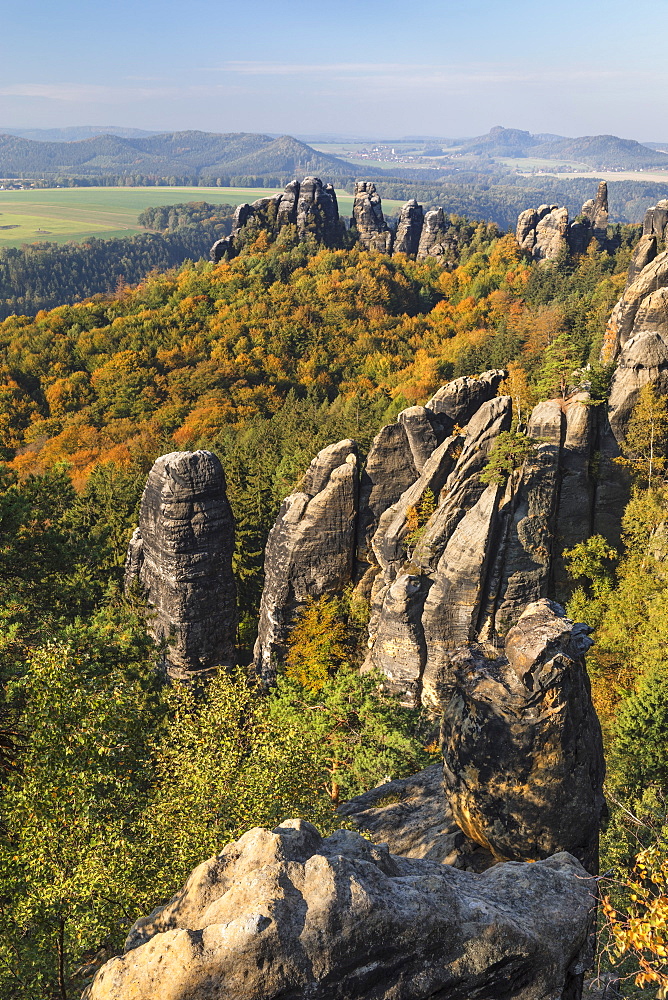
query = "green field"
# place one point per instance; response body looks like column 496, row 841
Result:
column 60, row 215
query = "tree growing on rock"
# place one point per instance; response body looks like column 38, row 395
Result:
column 646, row 443
column 510, row 451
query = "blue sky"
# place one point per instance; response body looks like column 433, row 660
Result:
column 373, row 68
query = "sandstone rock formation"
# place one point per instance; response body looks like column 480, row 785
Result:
column 551, row 235
column 546, row 233
column 310, row 206
column 368, row 219
column 596, row 209
column 316, row 547
column 413, row 817
column 522, row 745
column 485, row 551
column 444, row 558
column 644, row 253
column 181, row 558
column 527, row 224
column 622, row 324
column 409, row 230
column 656, row 220
column 436, row 239
column 637, row 336
column 286, row 913
column 310, row 550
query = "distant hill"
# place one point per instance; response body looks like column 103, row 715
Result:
column 76, row 132
column 500, row 142
column 598, row 151
column 601, row 151
column 178, row 154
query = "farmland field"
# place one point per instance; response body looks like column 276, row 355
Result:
column 59, row 215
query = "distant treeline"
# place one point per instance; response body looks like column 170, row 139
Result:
column 41, row 276
column 492, row 197
column 501, row 199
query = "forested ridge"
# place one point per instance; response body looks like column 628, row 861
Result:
column 42, row 275
column 115, row 785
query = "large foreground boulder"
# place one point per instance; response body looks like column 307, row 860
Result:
column 522, row 744
column 180, row 557
column 288, row 914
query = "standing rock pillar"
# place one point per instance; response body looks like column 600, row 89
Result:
column 181, row 557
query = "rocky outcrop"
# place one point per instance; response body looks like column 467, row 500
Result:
column 389, row 470
column 286, row 913
column 525, row 234
column 413, row 818
column 309, row 205
column 409, row 229
column 485, row 551
column 445, row 558
column 522, row 745
column 622, row 324
column 637, row 336
column 551, row 235
column 408, row 623
column 317, row 211
column 644, row 253
column 180, row 556
column 546, row 233
column 656, row 220
column 643, row 361
column 436, row 239
column 368, row 220
column 459, row 400
column 595, row 210
column 310, row 550
column 407, row 460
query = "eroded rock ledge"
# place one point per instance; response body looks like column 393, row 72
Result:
column 286, row 913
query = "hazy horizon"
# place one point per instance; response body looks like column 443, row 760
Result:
column 437, row 69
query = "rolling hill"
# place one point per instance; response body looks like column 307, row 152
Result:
column 598, row 151
column 181, row 154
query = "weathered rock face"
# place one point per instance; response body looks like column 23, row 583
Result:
column 545, row 232
column 522, row 745
column 637, row 338
column 181, row 557
column 368, row 219
column 409, row 625
column 317, row 211
column 311, row 206
column 413, row 817
column 596, row 209
column 406, row 460
column 390, row 469
column 437, row 239
column 644, row 254
column 310, row 550
column 527, row 222
column 409, row 230
column 622, row 323
column 286, row 913
column 643, row 361
column 444, row 558
column 656, row 220
column 459, row 400
column 551, row 235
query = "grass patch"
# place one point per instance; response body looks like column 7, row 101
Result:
column 58, row 215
